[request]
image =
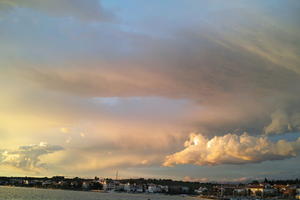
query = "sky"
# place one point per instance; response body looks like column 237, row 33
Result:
column 195, row 90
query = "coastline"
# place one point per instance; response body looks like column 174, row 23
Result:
column 104, row 192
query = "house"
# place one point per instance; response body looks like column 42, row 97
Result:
column 108, row 185
column 185, row 189
column 139, row 188
column 297, row 196
column 201, row 190
column 261, row 190
column 119, row 186
column 255, row 190
column 112, row 185
column 128, row 187
column 85, row 185
column 240, row 192
column 47, row 183
column 152, row 188
column 164, row 188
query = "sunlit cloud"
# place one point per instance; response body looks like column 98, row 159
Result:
column 192, row 179
column 283, row 122
column 232, row 149
column 28, row 157
column 126, row 93
column 64, row 130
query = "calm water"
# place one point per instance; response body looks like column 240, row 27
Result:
column 14, row 193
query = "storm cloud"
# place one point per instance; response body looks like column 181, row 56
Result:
column 138, row 86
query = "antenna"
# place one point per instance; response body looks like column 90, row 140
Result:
column 117, row 175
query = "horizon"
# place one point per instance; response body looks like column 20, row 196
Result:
column 182, row 90
column 249, row 181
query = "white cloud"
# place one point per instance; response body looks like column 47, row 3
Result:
column 64, row 130
column 82, row 134
column 192, row 179
column 232, row 149
column 283, row 122
column 68, row 140
column 28, row 157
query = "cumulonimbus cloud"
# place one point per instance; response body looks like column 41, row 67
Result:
column 232, row 149
column 28, row 157
column 235, row 70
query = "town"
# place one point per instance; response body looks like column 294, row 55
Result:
column 265, row 189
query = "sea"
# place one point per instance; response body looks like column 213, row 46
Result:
column 19, row 193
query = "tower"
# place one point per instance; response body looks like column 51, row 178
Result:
column 117, row 175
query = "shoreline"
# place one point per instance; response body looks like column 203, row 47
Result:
column 144, row 193
column 104, row 192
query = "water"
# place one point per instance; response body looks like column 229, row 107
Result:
column 15, row 193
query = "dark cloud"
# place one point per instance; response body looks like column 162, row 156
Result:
column 238, row 88
column 236, row 62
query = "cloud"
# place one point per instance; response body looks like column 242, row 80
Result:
column 235, row 63
column 76, row 161
column 232, row 149
column 28, row 157
column 235, row 87
column 84, row 10
column 233, row 70
column 282, row 122
column 192, row 179
column 64, row 130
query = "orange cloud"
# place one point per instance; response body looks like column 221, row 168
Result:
column 232, row 149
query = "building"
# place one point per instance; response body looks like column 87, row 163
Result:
column 261, row 190
column 240, row 192
column 152, row 188
column 297, row 196
column 128, row 187
column 85, row 185
column 108, row 185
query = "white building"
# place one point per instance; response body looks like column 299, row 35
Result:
column 108, row 185
column 297, row 193
column 128, row 187
column 153, row 188
column 85, row 185
column 201, row 190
